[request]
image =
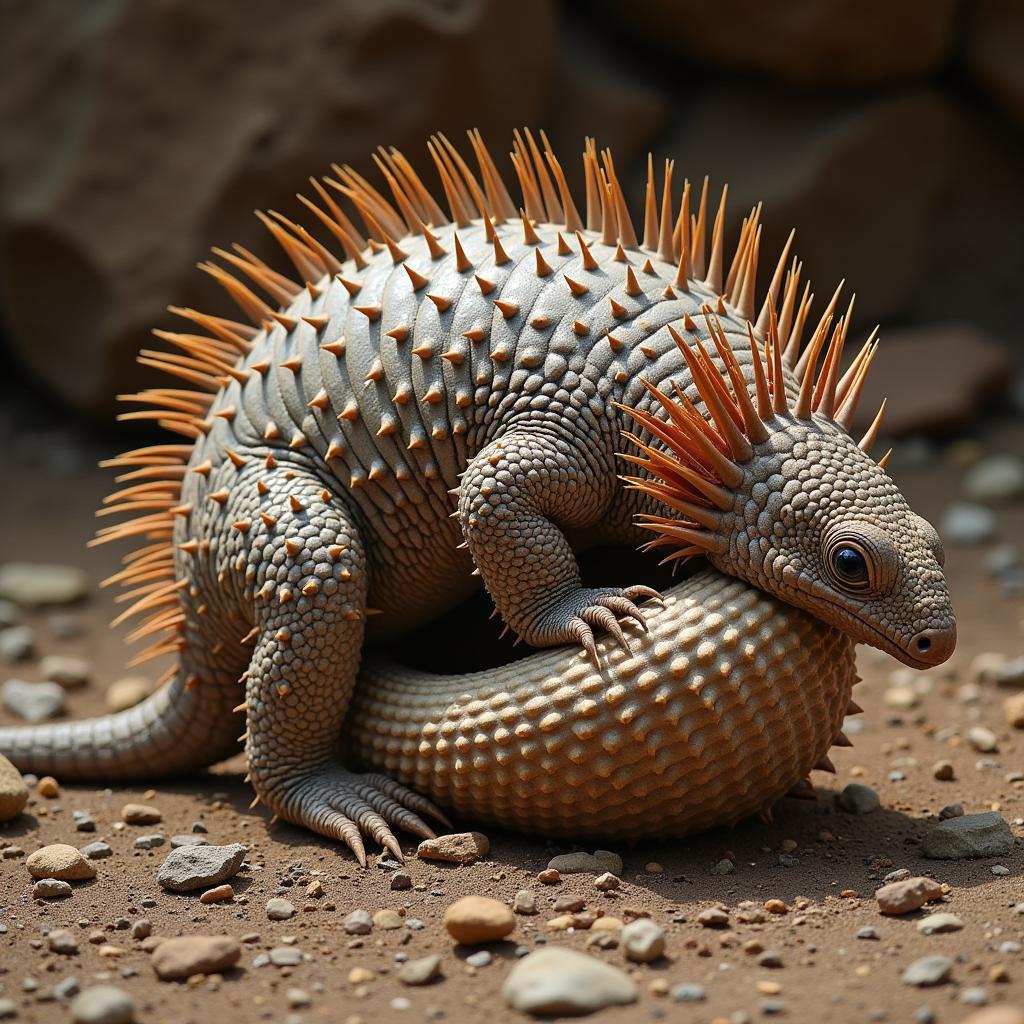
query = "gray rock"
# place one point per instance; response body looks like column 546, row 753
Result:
column 84, row 821
column 187, row 839
column 150, row 842
column 856, row 798
column 198, row 867
column 51, row 889
column 31, row 585
column 995, row 478
column 67, row 988
column 279, row 909
column 102, row 1004
column 62, row 941
column 941, row 922
column 561, row 981
column 97, row 851
column 967, row 836
column 967, row 524
column 689, row 992
column 928, row 971
column 973, row 997
column 643, row 941
column 8, row 1009
column 17, row 643
column 481, row 958
column 9, row 615
column 358, row 922
column 421, row 971
column 285, row 956
column 32, row 702
column 71, row 673
column 983, row 740
column 575, row 864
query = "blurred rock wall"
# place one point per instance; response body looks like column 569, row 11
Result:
column 136, row 135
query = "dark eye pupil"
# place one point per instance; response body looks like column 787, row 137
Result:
column 849, row 564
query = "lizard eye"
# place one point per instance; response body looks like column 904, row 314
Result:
column 850, row 567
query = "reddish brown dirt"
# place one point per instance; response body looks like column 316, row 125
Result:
column 828, row 973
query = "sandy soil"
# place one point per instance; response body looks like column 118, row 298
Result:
column 827, row 882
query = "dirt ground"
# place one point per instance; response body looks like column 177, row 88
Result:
column 827, row 879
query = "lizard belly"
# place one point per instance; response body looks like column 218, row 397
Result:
column 727, row 703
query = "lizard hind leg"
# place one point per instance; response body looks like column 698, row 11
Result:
column 309, row 589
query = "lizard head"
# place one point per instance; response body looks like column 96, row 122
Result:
column 774, row 490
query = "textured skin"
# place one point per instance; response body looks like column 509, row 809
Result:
column 435, row 400
column 730, row 700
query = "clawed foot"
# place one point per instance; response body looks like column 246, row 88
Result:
column 348, row 806
column 575, row 617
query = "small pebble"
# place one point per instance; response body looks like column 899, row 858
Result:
column 983, row 740
column 967, row 836
column 477, row 919
column 70, row 673
column 13, row 791
column 51, row 889
column 32, row 702
column 713, row 917
column 941, row 922
column 218, row 894
column 200, row 867
column 688, row 992
column 420, row 971
column 560, row 981
column 62, row 942
column 456, row 848
column 141, row 814
column 907, row 895
column 358, row 922
column 928, row 971
column 525, row 902
column 181, row 958
column 643, row 941
column 102, row 1004
column 280, row 909
column 126, row 693
column 17, row 643
column 481, row 958
column 856, row 798
column 943, row 771
column 59, row 861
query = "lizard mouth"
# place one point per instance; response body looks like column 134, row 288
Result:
column 884, row 642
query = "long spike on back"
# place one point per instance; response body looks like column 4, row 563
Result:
column 698, row 232
column 650, row 208
column 780, row 403
column 828, row 379
column 626, row 235
column 572, row 217
column 871, row 434
column 764, row 400
column 748, row 279
column 830, row 309
column 595, row 200
column 802, row 409
column 752, row 423
column 547, row 191
column 848, row 406
column 776, row 284
column 666, row 243
column 716, row 263
column 848, row 378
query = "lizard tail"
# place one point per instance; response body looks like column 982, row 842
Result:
column 178, row 729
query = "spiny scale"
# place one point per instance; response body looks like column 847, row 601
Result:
column 691, row 473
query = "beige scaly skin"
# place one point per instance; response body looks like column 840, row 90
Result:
column 451, row 398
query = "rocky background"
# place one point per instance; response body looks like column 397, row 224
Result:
column 137, row 135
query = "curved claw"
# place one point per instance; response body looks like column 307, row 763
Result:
column 411, row 801
column 584, row 635
column 639, row 590
column 624, row 608
column 601, row 616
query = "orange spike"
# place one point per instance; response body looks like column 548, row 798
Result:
column 714, row 275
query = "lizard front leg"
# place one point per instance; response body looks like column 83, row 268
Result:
column 309, row 590
column 513, row 500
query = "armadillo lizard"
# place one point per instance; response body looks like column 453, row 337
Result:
column 447, row 396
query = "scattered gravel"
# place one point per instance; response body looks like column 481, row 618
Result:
column 420, row 971
column 856, row 798
column 478, row 919
column 643, row 941
column 928, row 971
column 17, row 643
column 181, row 958
column 59, row 861
column 141, row 814
column 200, row 867
column 32, row 585
column 561, row 981
column 941, row 922
column 967, row 836
column 456, row 848
column 103, row 1004
column 32, row 702
column 51, row 889
column 278, row 908
column 907, row 895
column 70, row 673
column 995, row 478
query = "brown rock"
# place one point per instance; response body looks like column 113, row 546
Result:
column 126, row 693
column 477, row 919
column 996, row 1015
column 60, row 861
column 1013, row 709
column 141, row 814
column 13, row 791
column 123, row 244
column 907, row 895
column 181, row 958
column 457, row 848
column 802, row 41
column 218, row 894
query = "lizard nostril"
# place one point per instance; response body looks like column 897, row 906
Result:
column 923, row 643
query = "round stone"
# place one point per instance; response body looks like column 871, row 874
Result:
column 59, row 861
column 477, row 919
